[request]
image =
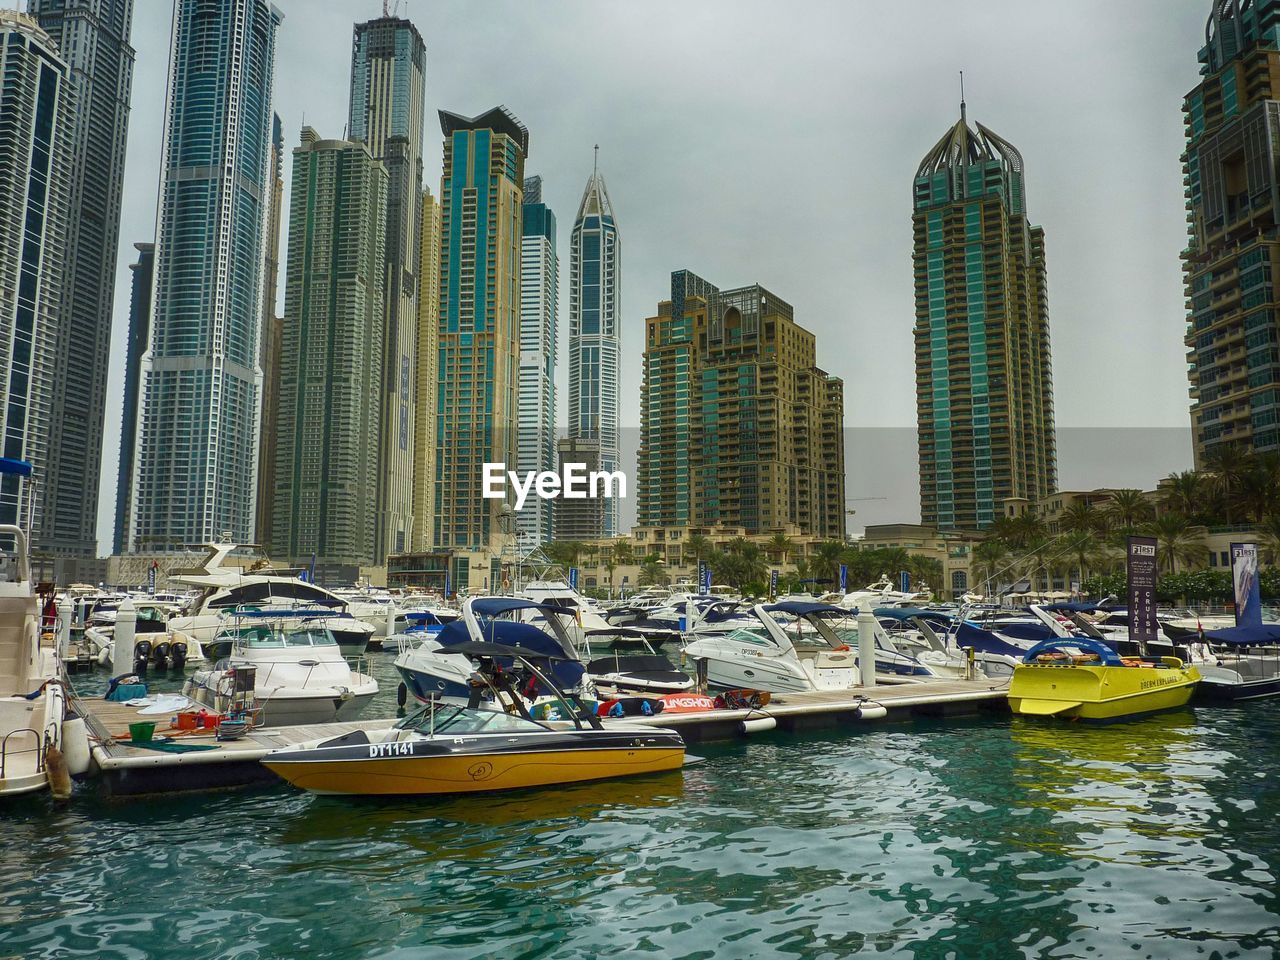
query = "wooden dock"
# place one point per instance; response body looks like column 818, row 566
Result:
column 127, row 770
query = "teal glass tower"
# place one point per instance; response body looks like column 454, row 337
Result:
column 195, row 471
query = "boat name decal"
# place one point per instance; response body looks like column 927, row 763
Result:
column 393, row 749
column 1161, row 682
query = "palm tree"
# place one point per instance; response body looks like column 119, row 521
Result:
column 779, row 546
column 826, row 560
column 1257, row 495
column 990, row 559
column 925, row 571
column 1184, row 493
column 699, row 547
column 565, row 553
column 1269, row 539
column 1177, row 540
column 653, row 574
column 1228, row 463
column 1128, row 509
column 737, row 545
column 1080, row 517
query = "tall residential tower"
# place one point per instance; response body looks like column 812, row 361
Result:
column 481, row 194
column 35, row 190
column 539, row 300
column 93, row 37
column 1232, row 262
column 388, row 84
column 984, row 390
column 195, row 471
column 595, row 335
column 328, row 424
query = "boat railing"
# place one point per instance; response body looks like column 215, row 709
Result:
column 38, row 749
column 356, row 665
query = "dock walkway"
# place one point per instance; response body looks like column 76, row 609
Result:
column 127, row 770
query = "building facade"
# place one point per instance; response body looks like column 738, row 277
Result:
column 143, row 271
column 539, row 306
column 427, row 373
column 984, row 387
column 92, row 36
column 579, row 519
column 195, row 471
column 481, row 196
column 328, row 421
column 739, row 427
column 388, row 85
column 272, row 333
column 595, row 334
column 1232, row 262
column 35, row 193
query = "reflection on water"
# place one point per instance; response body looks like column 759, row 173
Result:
column 985, row 838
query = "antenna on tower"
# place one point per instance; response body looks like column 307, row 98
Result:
column 962, row 110
column 384, row 9
column 595, row 163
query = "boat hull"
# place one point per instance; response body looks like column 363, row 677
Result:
column 1092, row 692
column 472, row 772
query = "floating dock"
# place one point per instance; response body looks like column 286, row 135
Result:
column 128, row 770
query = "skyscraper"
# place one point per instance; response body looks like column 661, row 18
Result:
column 1232, row 260
column 388, row 82
column 272, row 334
column 595, row 335
column 195, row 471
column 739, row 426
column 92, row 36
column 35, row 190
column 480, row 223
column 539, row 303
column 139, row 333
column 428, row 352
column 984, row 388
column 328, row 425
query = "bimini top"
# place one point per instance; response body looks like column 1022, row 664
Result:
column 911, row 613
column 1106, row 655
column 1072, row 606
column 804, row 608
column 474, row 649
column 497, row 606
column 499, row 119
column 1245, row 636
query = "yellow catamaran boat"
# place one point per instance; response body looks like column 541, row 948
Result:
column 1082, row 678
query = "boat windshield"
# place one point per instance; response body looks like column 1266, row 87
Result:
column 453, row 719
column 750, row 636
column 265, row 636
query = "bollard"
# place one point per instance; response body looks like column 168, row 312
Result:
column 126, row 625
column 62, row 626
column 867, row 646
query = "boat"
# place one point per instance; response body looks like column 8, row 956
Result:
column 32, row 697
column 621, row 660
column 1242, row 662
column 450, row 748
column 293, row 668
column 151, row 628
column 767, row 657
column 1083, row 678
column 430, row 672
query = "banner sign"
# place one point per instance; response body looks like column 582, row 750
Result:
column 904, row 581
column 706, row 578
column 151, row 577
column 773, row 584
column 573, row 578
column 844, row 578
column 1244, row 580
column 1140, row 569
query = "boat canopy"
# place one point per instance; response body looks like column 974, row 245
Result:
column 804, row 608
column 911, row 613
column 984, row 641
column 471, row 648
column 1071, row 606
column 524, row 638
column 1246, row 636
column 497, row 606
column 1108, row 656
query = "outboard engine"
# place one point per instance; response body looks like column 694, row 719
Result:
column 141, row 657
column 178, row 654
column 160, row 654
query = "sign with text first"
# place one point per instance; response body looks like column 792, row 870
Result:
column 1140, row 568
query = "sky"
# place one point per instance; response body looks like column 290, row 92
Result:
column 775, row 143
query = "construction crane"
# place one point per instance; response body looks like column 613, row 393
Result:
column 859, row 500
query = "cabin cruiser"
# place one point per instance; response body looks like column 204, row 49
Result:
column 291, row 669
column 32, row 698
column 228, row 590
column 430, row 672
column 152, row 644
column 811, row 656
column 621, row 660
column 882, row 593
column 448, row 748
column 1242, row 664
column 589, row 614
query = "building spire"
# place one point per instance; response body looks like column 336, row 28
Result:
column 595, row 162
column 962, row 110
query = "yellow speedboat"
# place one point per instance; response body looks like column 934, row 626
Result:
column 1082, row 678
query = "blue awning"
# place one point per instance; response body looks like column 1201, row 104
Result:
column 496, row 606
column 11, row 465
column 803, row 608
column 1245, row 636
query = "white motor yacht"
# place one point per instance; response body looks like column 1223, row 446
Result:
column 293, row 670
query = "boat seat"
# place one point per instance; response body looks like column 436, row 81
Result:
column 352, row 739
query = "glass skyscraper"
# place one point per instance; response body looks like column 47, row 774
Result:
column 195, row 475
column 595, row 261
column 93, row 37
column 481, row 194
column 139, row 335
column 35, row 136
column 984, row 390
column 388, row 83
column 539, row 306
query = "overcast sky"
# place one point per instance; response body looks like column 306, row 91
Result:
column 776, row 143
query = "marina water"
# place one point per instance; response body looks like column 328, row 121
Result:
column 993, row 837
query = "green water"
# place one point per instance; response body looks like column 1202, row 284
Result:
column 985, row 838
